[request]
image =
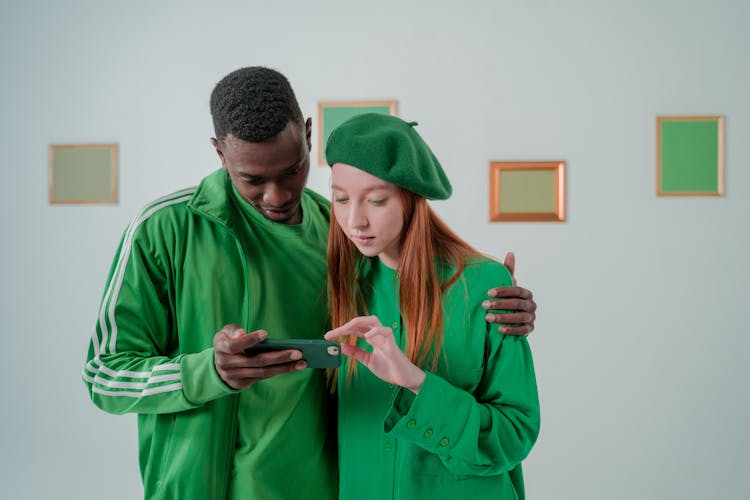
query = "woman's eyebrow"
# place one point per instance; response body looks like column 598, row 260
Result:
column 367, row 190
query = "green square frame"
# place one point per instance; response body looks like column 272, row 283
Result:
column 690, row 155
column 333, row 113
column 82, row 174
column 550, row 193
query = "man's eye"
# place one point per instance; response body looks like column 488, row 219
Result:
column 254, row 181
column 293, row 171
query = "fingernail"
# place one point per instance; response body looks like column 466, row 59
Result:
column 490, row 317
column 486, row 304
column 296, row 355
column 300, row 366
column 262, row 335
column 492, row 293
column 502, row 329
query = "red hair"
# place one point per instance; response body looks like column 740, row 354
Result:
column 425, row 239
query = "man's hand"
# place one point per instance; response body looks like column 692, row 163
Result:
column 518, row 300
column 239, row 370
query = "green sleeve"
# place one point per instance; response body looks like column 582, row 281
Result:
column 489, row 431
column 130, row 366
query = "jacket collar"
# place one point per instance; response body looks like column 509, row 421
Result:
column 212, row 198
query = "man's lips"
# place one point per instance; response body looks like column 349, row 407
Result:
column 276, row 210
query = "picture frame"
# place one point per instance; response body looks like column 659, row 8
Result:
column 331, row 114
column 690, row 155
column 527, row 191
column 83, row 173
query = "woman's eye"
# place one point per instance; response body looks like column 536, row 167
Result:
column 378, row 202
column 341, row 200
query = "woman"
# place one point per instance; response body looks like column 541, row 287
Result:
column 439, row 408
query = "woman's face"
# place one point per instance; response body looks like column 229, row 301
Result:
column 369, row 211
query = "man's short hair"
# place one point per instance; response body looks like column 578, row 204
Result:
column 253, row 104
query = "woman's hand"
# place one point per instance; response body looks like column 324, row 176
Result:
column 386, row 361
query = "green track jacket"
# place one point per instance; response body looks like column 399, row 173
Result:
column 178, row 277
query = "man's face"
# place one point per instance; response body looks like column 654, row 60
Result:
column 270, row 175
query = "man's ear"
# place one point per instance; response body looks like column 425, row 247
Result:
column 215, row 143
column 308, row 133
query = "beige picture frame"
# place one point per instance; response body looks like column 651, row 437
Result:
column 83, row 173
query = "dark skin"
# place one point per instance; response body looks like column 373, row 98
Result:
column 271, row 176
column 512, row 298
column 239, row 370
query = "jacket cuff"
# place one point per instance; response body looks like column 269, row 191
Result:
column 200, row 380
column 416, row 418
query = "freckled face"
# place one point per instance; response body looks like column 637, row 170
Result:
column 369, row 211
column 270, row 175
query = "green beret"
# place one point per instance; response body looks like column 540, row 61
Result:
column 391, row 149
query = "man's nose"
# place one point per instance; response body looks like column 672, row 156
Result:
column 275, row 195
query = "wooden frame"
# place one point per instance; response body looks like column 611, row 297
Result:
column 83, row 174
column 527, row 191
column 333, row 113
column 690, row 155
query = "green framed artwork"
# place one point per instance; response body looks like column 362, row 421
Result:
column 527, row 191
column 331, row 114
column 690, row 155
column 83, row 173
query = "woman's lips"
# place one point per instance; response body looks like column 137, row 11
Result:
column 363, row 240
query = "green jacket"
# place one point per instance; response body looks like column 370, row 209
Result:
column 474, row 420
column 178, row 277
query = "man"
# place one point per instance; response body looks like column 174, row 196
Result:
column 245, row 251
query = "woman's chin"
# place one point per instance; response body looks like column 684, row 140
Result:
column 367, row 251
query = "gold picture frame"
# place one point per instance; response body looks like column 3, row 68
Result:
column 331, row 114
column 527, row 191
column 690, row 155
column 83, row 174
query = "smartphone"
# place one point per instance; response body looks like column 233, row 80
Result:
column 317, row 353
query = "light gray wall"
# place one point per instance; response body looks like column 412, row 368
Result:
column 640, row 351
